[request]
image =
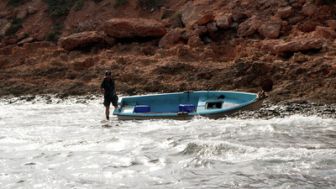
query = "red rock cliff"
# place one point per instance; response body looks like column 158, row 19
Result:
column 64, row 47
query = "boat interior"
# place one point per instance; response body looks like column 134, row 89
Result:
column 186, row 102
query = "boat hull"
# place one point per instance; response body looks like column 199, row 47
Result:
column 210, row 104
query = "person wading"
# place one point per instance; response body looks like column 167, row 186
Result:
column 110, row 96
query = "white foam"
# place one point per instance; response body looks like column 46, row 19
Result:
column 64, row 145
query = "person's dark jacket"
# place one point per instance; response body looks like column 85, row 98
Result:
column 109, row 87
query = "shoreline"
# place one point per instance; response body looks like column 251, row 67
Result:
column 268, row 110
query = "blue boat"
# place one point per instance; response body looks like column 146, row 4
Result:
column 185, row 105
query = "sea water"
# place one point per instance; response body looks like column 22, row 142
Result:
column 65, row 144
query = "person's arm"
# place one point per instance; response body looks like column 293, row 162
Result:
column 114, row 90
column 115, row 97
column 102, row 86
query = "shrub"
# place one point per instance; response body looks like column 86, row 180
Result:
column 150, row 4
column 26, row 35
column 328, row 1
column 97, row 1
column 59, row 8
column 54, row 35
column 119, row 3
column 78, row 5
column 15, row 3
column 15, row 26
column 324, row 2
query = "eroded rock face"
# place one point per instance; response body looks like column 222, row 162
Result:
column 80, row 40
column 134, row 27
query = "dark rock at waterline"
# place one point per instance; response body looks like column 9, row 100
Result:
column 285, row 109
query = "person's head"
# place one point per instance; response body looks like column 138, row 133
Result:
column 108, row 74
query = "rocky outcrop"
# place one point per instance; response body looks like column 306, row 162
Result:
column 80, row 40
column 134, row 27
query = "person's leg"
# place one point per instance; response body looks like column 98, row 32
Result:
column 107, row 112
column 107, row 103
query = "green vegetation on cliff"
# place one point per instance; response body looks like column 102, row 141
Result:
column 58, row 10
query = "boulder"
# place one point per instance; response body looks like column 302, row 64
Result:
column 199, row 30
column 32, row 10
column 212, row 27
column 79, row 40
column 270, row 30
column 194, row 40
column 26, row 40
column 309, row 9
column 184, row 53
column 171, row 38
column 331, row 24
column 299, row 57
column 325, row 32
column 189, row 13
column 307, row 26
column 22, row 14
column 196, row 13
column 238, row 16
column 296, row 19
column 134, row 27
column 166, row 12
column 285, row 12
column 301, row 44
column 4, row 14
column 83, row 64
column 203, row 20
column 224, row 21
column 11, row 40
column 249, row 27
